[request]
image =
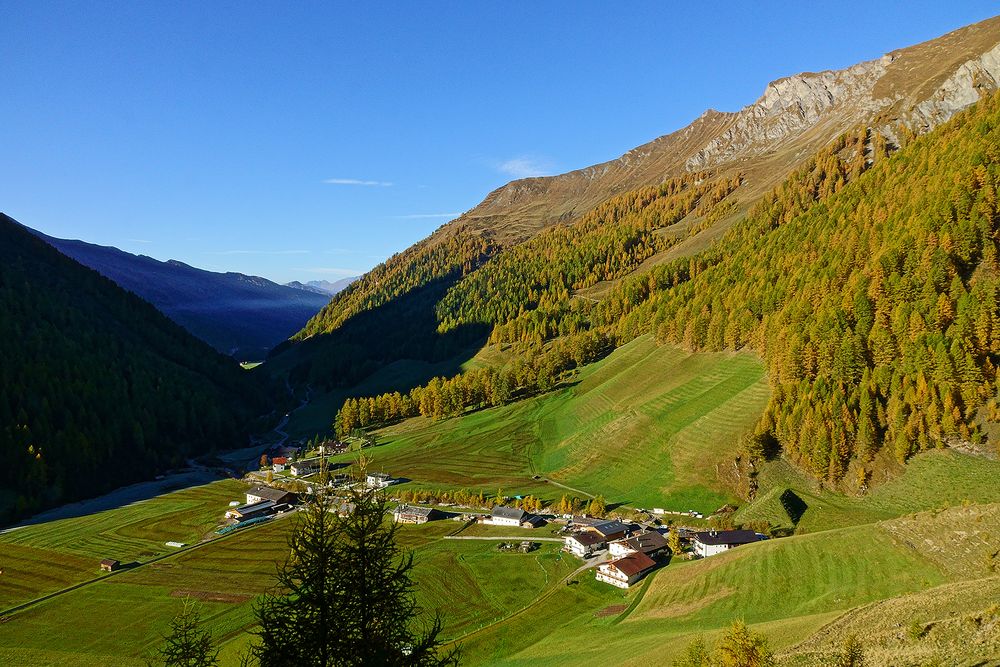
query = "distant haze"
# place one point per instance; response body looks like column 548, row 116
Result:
column 243, row 316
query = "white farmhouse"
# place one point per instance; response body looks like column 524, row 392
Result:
column 648, row 543
column 378, row 480
column 583, row 544
column 507, row 516
column 625, row 571
column 715, row 542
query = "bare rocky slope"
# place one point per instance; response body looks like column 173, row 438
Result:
column 918, row 87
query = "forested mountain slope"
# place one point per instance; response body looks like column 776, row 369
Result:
column 398, row 306
column 243, row 316
column 97, row 388
column 870, row 288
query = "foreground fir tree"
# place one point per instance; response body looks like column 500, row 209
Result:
column 188, row 644
column 346, row 597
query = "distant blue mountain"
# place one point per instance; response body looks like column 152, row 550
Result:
column 243, row 316
column 323, row 286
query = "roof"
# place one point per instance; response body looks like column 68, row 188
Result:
column 255, row 507
column 610, row 527
column 269, row 493
column 411, row 509
column 646, row 542
column 280, row 460
column 633, row 564
column 729, row 537
column 379, row 475
column 110, row 561
column 586, row 539
column 579, row 520
column 501, row 512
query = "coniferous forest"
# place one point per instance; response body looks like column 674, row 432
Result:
column 98, row 389
column 868, row 281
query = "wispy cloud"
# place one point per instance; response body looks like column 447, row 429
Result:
column 425, row 216
column 525, row 166
column 357, row 181
column 139, row 241
column 257, row 252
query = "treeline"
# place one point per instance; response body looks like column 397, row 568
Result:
column 386, row 316
column 596, row 507
column 610, row 241
column 429, row 260
column 466, row 498
column 97, row 388
column 537, row 369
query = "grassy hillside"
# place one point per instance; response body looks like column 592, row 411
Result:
column 97, row 388
column 934, row 479
column 467, row 580
column 952, row 624
column 788, row 588
column 804, row 592
column 646, row 425
column 43, row 558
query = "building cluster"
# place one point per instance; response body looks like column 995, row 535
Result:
column 262, row 501
column 512, row 516
column 634, row 552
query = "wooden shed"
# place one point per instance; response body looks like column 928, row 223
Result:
column 110, row 565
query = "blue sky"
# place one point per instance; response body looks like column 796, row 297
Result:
column 315, row 141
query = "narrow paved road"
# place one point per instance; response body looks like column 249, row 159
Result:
column 570, row 488
column 523, row 538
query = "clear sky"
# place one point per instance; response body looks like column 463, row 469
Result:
column 313, row 140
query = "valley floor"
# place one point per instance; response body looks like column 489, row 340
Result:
column 647, row 427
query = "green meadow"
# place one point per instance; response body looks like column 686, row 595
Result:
column 787, row 588
column 43, row 558
column 469, row 582
column 646, row 426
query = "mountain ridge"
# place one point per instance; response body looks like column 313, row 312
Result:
column 238, row 314
column 795, row 119
column 920, row 87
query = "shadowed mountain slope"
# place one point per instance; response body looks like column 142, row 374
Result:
column 243, row 316
column 98, row 389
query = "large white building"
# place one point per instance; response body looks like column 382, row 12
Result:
column 715, row 542
column 261, row 493
column 378, row 480
column 507, row 516
column 583, row 544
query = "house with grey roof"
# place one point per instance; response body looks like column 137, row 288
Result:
column 507, row 516
column 712, row 542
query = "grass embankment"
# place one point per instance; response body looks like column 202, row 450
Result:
column 934, row 479
column 645, row 426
